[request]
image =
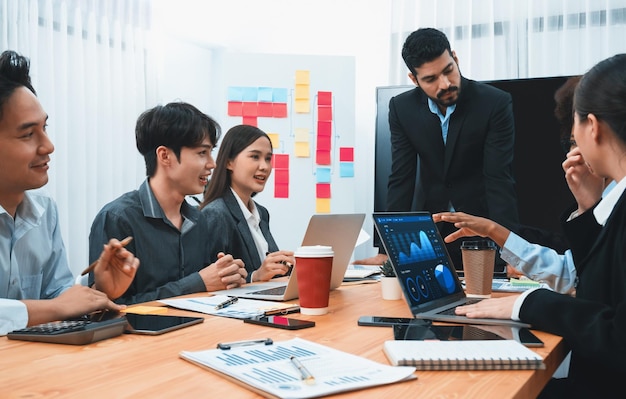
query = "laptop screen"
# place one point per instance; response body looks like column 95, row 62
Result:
column 418, row 255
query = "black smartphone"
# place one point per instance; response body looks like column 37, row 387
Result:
column 280, row 322
column 442, row 333
column 381, row 321
column 151, row 324
column 527, row 338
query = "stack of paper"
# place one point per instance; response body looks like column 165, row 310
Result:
column 242, row 309
column 269, row 369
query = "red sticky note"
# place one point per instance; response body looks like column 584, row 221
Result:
column 346, row 154
column 322, row 190
column 322, row 157
column 280, row 110
column 265, row 109
column 324, row 128
column 324, row 98
column 280, row 161
column 250, row 109
column 235, row 108
column 323, row 143
column 281, row 190
column 250, row 120
column 324, row 113
column 281, row 176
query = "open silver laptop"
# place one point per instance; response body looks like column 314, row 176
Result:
column 428, row 279
column 339, row 231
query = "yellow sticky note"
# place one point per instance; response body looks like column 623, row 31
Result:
column 143, row 309
column 302, row 106
column 302, row 92
column 322, row 205
column 303, row 77
column 302, row 134
column 275, row 139
column 302, row 149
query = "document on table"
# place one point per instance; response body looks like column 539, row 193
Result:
column 269, row 370
column 242, row 309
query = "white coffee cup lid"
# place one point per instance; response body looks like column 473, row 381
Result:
column 314, row 251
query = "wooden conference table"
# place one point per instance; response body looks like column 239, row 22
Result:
column 148, row 366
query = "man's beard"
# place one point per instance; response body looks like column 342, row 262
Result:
column 451, row 101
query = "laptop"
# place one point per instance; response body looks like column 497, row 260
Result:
column 339, row 231
column 428, row 279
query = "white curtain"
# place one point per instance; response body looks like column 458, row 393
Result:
column 507, row 39
column 90, row 68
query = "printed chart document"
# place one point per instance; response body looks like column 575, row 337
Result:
column 462, row 355
column 270, row 371
column 242, row 309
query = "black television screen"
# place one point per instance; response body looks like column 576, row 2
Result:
column 540, row 184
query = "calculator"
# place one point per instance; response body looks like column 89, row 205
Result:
column 82, row 331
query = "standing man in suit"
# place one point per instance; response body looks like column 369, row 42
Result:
column 461, row 131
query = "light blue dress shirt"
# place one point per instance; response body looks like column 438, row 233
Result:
column 444, row 119
column 33, row 261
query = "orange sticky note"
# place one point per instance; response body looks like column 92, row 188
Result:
column 143, row 309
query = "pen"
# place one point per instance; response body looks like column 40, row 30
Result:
column 124, row 242
column 226, row 303
column 228, row 345
column 307, row 377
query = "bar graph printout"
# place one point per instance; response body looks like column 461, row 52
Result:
column 269, row 368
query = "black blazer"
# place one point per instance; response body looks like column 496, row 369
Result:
column 229, row 231
column 473, row 170
column 594, row 323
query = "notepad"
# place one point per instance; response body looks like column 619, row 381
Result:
column 242, row 309
column 462, row 355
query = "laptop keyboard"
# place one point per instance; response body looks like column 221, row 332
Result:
column 451, row 312
column 272, row 291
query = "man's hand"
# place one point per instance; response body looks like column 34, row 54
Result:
column 115, row 270
column 225, row 273
column 73, row 302
column 470, row 226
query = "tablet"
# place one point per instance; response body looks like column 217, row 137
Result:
column 152, row 324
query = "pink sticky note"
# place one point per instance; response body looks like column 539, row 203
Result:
column 346, row 154
column 323, row 143
column 324, row 98
column 322, row 157
column 322, row 190
column 280, row 110
column 250, row 109
column 235, row 108
column 281, row 176
column 324, row 128
column 266, row 109
column 281, row 190
column 280, row 161
column 250, row 120
column 324, row 113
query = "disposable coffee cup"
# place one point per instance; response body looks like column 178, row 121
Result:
column 478, row 259
column 314, row 265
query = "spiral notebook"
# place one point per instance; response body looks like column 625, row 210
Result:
column 462, row 355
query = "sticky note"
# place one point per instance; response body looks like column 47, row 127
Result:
column 303, row 77
column 346, row 169
column 322, row 205
column 301, row 134
column 322, row 175
column 281, row 190
column 250, row 94
column 280, row 110
column 235, row 94
column 322, row 157
column 235, row 108
column 322, row 190
column 143, row 309
column 301, row 149
column 266, row 94
column 324, row 113
column 303, row 106
column 280, row 161
column 275, row 139
column 302, row 92
column 250, row 120
column 346, row 154
column 324, row 98
column 279, row 95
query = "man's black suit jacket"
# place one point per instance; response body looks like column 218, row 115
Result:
column 473, row 170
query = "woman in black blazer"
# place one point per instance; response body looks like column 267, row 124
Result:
column 594, row 322
column 237, row 224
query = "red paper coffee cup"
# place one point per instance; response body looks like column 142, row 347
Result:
column 314, row 265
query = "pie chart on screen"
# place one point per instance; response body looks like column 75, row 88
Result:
column 445, row 278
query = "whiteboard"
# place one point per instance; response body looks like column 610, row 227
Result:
column 289, row 217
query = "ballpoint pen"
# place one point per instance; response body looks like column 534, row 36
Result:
column 124, row 242
column 226, row 303
column 307, row 377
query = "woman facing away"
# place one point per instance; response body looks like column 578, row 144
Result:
column 593, row 323
column 240, row 226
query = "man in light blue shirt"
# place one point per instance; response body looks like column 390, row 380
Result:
column 36, row 284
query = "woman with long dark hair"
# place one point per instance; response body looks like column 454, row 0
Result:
column 239, row 225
